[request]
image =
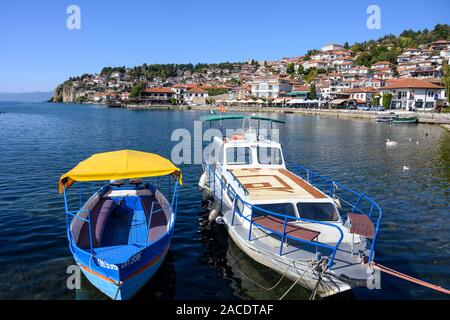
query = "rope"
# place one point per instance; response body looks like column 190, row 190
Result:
column 118, row 289
column 409, row 278
column 290, row 288
column 261, row 286
column 323, row 268
column 296, row 281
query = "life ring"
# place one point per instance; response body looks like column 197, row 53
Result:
column 238, row 137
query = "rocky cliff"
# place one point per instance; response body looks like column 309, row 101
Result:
column 64, row 93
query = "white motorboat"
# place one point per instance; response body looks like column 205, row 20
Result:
column 302, row 225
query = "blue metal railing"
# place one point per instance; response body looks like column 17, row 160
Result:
column 285, row 218
column 358, row 202
column 75, row 214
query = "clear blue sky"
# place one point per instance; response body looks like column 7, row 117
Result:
column 37, row 51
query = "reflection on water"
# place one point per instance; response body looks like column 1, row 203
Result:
column 39, row 142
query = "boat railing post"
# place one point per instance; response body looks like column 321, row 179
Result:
column 283, row 236
column 69, row 236
column 149, row 229
column 357, row 203
column 251, row 224
column 215, row 177
column 371, row 210
column 90, row 230
column 233, row 210
column 221, row 193
column 209, row 175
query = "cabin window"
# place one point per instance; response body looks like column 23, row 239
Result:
column 317, row 211
column 286, row 209
column 270, row 156
column 239, row 156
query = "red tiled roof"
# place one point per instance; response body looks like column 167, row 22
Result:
column 300, row 88
column 360, row 90
column 411, row 83
column 158, row 90
column 196, row 90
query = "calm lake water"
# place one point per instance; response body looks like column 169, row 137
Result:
column 39, row 142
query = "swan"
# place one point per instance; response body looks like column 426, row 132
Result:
column 391, row 143
column 405, row 168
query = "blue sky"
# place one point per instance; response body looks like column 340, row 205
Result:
column 37, row 51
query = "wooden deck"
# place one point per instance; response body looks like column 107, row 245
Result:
column 275, row 184
column 277, row 225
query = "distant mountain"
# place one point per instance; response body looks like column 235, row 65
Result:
column 26, row 96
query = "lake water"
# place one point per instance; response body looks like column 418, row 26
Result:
column 39, row 142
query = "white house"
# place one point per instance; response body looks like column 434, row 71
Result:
column 361, row 95
column 413, row 94
column 270, row 88
column 318, row 64
column 331, row 47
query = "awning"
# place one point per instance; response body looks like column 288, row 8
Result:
column 116, row 165
column 301, row 101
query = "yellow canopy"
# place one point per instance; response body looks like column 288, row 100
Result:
column 124, row 164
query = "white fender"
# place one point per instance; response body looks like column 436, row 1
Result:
column 202, row 183
column 215, row 210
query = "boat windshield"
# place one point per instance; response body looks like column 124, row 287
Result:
column 239, row 156
column 317, row 211
column 286, row 209
column 269, row 156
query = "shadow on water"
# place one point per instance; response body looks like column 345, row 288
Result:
column 203, row 263
column 247, row 278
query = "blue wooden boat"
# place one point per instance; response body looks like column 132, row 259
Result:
column 120, row 236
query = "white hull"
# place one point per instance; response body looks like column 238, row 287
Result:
column 300, row 265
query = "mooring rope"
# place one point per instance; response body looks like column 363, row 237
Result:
column 260, row 285
column 409, row 278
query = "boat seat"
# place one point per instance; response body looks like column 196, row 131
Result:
column 100, row 215
column 159, row 220
column 292, row 231
column 361, row 224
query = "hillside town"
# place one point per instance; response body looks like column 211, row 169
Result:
column 335, row 77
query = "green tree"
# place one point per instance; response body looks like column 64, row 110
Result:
column 290, row 68
column 447, row 80
column 387, row 98
column 376, row 99
column 310, row 75
column 312, row 94
column 136, row 91
column 300, row 70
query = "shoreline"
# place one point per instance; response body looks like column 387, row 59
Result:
column 442, row 119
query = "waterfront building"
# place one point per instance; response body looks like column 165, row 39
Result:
column 413, row 94
column 270, row 88
column 362, row 96
column 157, row 95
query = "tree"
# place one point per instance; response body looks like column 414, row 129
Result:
column 300, row 69
column 290, row 68
column 376, row 99
column 346, row 46
column 387, row 98
column 447, row 80
column 136, row 91
column 310, row 75
column 312, row 95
